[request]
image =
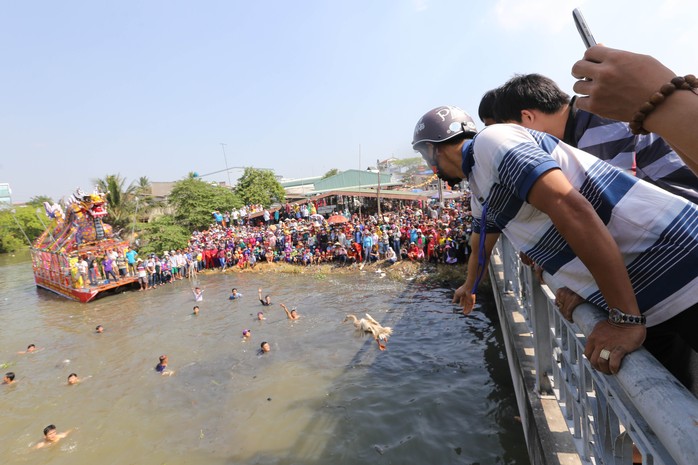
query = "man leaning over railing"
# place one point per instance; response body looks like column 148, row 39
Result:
column 618, row 242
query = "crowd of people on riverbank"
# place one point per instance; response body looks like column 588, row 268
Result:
column 302, row 236
column 297, row 235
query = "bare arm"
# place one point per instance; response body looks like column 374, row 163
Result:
column 464, row 296
column 571, row 213
column 288, row 314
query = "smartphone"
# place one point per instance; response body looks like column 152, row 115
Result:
column 583, row 28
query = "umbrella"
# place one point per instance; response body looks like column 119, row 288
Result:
column 316, row 217
column 337, row 219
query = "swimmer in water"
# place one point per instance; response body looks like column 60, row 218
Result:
column 264, row 348
column 162, row 367
column 198, row 294
column 196, row 310
column 293, row 314
column 99, row 329
column 235, row 294
column 31, row 348
column 266, row 301
column 9, row 378
column 260, row 316
column 246, row 335
column 51, row 436
column 73, row 379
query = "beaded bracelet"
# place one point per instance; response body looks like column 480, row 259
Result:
column 688, row 82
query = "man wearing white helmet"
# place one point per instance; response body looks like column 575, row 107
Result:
column 619, row 242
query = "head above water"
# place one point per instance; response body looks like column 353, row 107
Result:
column 49, row 429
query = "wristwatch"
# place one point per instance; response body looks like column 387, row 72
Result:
column 616, row 316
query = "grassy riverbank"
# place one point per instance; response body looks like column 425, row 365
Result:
column 425, row 273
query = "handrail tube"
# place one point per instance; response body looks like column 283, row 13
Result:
column 643, row 404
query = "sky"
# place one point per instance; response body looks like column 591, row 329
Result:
column 153, row 88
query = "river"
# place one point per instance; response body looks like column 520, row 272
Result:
column 440, row 393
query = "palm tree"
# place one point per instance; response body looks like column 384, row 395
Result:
column 143, row 186
column 121, row 200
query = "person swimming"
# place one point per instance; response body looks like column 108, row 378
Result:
column 31, row 348
column 162, row 366
column 264, row 347
column 293, row 314
column 51, row 436
column 267, row 299
column 234, row 294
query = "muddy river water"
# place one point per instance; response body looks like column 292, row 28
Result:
column 440, row 393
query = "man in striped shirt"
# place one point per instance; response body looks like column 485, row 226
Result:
column 620, row 243
column 536, row 102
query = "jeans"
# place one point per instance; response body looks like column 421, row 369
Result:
column 93, row 275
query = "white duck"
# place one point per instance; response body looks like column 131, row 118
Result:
column 369, row 325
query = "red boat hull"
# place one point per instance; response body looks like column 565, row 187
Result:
column 87, row 294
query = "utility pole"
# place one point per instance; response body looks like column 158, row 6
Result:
column 378, row 191
column 230, row 184
column 360, row 180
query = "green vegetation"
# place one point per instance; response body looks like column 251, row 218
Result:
column 194, row 200
column 38, row 201
column 259, row 187
column 162, row 234
column 11, row 237
column 332, row 172
column 121, row 202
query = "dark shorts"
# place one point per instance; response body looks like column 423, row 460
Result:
column 672, row 343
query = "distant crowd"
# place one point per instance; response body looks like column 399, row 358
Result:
column 297, row 234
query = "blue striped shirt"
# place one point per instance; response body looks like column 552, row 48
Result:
column 656, row 232
column 648, row 157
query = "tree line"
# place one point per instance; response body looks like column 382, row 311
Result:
column 137, row 216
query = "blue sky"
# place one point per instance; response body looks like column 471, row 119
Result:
column 152, row 88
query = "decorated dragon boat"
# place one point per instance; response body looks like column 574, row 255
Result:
column 71, row 236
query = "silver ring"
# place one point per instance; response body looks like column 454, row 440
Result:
column 605, row 354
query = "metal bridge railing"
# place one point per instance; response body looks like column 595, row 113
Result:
column 643, row 405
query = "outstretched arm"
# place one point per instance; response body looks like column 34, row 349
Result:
column 288, row 314
column 464, row 296
column 570, row 212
